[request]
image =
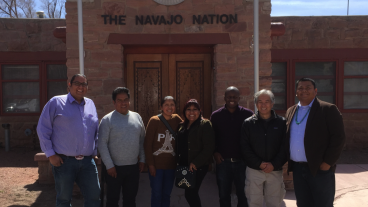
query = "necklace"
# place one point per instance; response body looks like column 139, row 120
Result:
column 296, row 118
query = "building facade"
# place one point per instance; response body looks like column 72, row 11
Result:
column 333, row 50
column 33, row 69
column 194, row 49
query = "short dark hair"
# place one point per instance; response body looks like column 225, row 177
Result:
column 167, row 98
column 191, row 102
column 120, row 90
column 76, row 75
column 232, row 88
column 305, row 79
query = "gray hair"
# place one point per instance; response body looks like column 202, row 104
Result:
column 264, row 91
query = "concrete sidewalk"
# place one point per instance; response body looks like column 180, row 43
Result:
column 351, row 190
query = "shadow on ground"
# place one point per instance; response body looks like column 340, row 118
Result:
column 47, row 195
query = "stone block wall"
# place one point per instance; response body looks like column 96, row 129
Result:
column 104, row 62
column 26, row 35
column 18, row 126
column 322, row 32
column 356, row 131
column 30, row 35
column 332, row 32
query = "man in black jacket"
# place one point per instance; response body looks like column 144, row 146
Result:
column 262, row 143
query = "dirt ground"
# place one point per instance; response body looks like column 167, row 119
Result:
column 18, row 181
column 19, row 174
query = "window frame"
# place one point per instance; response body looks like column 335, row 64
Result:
column 46, row 80
column 42, row 83
column 339, row 56
column 286, row 80
column 342, row 78
column 293, row 79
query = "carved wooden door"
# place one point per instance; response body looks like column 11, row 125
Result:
column 150, row 77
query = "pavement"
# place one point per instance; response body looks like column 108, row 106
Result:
column 351, row 190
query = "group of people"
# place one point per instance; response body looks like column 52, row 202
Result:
column 249, row 149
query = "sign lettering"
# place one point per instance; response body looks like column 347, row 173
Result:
column 172, row 19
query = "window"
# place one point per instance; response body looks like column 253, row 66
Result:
column 355, row 85
column 323, row 73
column 278, row 86
column 56, row 80
column 354, row 80
column 25, row 90
column 341, row 76
column 21, row 88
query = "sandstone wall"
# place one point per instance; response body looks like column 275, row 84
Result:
column 332, row 32
column 30, row 35
column 104, row 62
column 26, row 35
column 322, row 32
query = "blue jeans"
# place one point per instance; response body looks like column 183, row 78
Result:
column 161, row 185
column 84, row 173
column 226, row 173
column 313, row 191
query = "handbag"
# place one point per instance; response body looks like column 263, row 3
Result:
column 183, row 177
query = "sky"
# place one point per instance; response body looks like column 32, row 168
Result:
column 318, row 7
column 310, row 7
column 39, row 8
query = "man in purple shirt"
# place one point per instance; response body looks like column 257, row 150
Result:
column 67, row 130
column 230, row 167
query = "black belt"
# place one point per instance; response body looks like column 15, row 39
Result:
column 232, row 160
column 301, row 163
column 71, row 156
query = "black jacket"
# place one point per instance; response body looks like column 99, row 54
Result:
column 324, row 137
column 259, row 144
column 201, row 142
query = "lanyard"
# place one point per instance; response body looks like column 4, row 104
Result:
column 296, row 118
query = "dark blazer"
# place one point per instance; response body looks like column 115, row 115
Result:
column 201, row 143
column 260, row 144
column 324, row 136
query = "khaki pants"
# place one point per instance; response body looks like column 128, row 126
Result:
column 259, row 185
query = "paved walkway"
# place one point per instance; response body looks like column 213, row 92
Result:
column 351, row 190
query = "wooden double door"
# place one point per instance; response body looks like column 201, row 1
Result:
column 151, row 77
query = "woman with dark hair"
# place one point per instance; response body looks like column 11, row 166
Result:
column 196, row 144
column 159, row 148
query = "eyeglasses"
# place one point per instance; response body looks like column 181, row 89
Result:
column 76, row 83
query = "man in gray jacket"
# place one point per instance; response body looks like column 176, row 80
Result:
column 121, row 136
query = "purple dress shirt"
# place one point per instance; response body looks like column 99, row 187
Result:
column 68, row 128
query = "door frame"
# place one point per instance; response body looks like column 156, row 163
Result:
column 159, row 49
column 175, row 49
column 147, row 57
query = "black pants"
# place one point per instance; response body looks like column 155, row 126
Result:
column 191, row 194
column 310, row 191
column 128, row 180
column 227, row 173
